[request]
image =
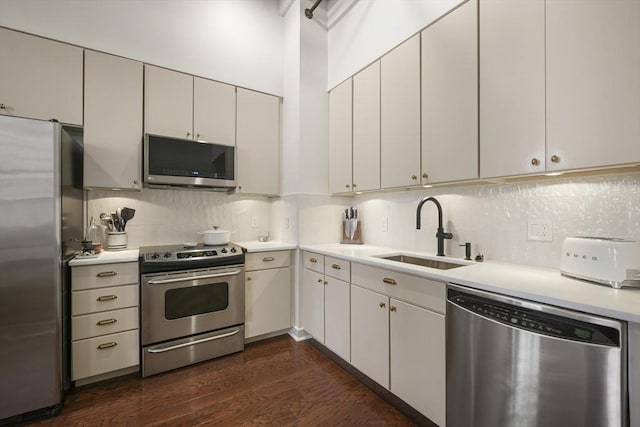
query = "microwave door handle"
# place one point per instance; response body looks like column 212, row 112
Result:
column 190, row 278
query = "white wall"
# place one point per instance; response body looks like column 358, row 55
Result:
column 237, row 42
column 362, row 31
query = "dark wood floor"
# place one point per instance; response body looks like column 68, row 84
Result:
column 275, row 382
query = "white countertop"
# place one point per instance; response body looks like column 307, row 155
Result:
column 107, row 257
column 536, row 284
column 272, row 245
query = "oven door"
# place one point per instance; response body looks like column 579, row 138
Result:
column 184, row 303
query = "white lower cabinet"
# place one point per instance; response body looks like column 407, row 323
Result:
column 267, row 293
column 400, row 345
column 336, row 317
column 313, row 303
column 104, row 320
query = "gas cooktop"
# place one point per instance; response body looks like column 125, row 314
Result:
column 172, row 257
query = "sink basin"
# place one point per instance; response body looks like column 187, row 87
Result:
column 424, row 262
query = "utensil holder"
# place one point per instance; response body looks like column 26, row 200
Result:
column 116, row 240
column 351, row 232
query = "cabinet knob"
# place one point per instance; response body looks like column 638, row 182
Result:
column 188, row 134
column 347, row 186
column 319, row 280
column 248, row 278
column 382, row 305
column 2, row 107
column 197, row 136
column 135, row 182
column 555, row 159
column 425, row 175
column 107, row 345
column 414, row 177
column 392, row 307
column 326, row 283
column 354, row 185
column 535, row 162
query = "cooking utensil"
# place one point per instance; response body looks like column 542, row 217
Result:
column 127, row 215
column 215, row 237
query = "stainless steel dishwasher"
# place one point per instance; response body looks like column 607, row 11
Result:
column 515, row 363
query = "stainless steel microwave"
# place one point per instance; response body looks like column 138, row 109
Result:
column 188, row 163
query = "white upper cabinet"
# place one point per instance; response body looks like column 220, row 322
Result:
column 450, row 97
column 400, row 115
column 512, row 87
column 593, row 83
column 112, row 121
column 168, row 102
column 40, row 78
column 258, row 143
column 366, row 128
column 214, row 111
column 340, row 142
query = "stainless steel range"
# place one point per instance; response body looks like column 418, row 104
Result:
column 192, row 304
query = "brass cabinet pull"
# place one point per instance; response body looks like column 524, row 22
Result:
column 107, row 345
column 389, row 281
column 382, row 305
column 106, row 322
column 336, row 266
column 346, row 186
column 197, row 136
column 319, row 280
column 414, row 177
column 2, row 107
column 555, row 159
column 248, row 277
column 107, row 298
column 326, row 283
column 268, row 258
column 106, row 274
column 188, row 134
column 313, row 260
column 354, row 185
column 535, row 162
column 392, row 307
column 425, row 175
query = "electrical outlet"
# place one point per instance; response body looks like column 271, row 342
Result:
column 254, row 222
column 540, row 231
column 385, row 224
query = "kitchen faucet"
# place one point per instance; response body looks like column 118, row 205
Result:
column 440, row 235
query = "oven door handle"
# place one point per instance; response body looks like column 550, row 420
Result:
column 190, row 343
column 190, row 278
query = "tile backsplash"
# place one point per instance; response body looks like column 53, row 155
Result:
column 493, row 217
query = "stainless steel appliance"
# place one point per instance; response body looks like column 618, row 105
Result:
column 604, row 260
column 517, row 363
column 41, row 229
column 192, row 304
column 170, row 162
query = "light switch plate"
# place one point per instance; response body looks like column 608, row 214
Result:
column 540, row 231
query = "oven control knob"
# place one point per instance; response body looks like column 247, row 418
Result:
column 167, row 254
column 224, row 250
column 210, row 253
column 233, row 250
column 183, row 255
column 155, row 255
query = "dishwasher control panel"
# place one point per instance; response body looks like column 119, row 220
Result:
column 536, row 321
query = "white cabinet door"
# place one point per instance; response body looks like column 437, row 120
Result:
column 340, row 138
column 40, row 78
column 258, row 143
column 593, row 83
column 417, row 365
column 450, row 97
column 400, row 115
column 370, row 334
column 268, row 301
column 512, row 87
column 337, row 319
column 313, row 304
column 366, row 128
column 168, row 102
column 112, row 121
column 214, row 111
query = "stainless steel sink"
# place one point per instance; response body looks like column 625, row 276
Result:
column 424, row 262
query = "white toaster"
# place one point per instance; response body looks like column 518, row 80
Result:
column 608, row 261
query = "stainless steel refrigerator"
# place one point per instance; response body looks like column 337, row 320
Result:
column 41, row 208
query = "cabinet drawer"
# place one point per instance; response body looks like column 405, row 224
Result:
column 423, row 292
column 103, row 275
column 337, row 268
column 107, row 322
column 314, row 262
column 107, row 353
column 105, row 299
column 263, row 260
